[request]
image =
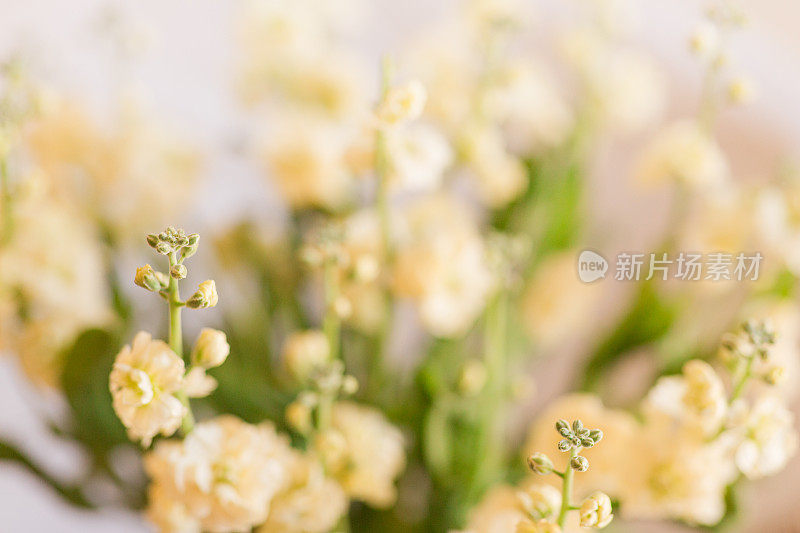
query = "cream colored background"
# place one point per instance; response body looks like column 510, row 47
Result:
column 185, row 77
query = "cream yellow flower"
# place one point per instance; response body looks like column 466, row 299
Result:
column 682, row 153
column 696, row 399
column 223, row 475
column 498, row 175
column 539, row 526
column 402, row 103
column 313, row 503
column 210, row 349
column 375, row 453
column 596, row 511
column 441, row 265
column 206, row 296
column 143, row 383
column 303, row 351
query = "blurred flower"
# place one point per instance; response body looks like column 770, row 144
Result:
column 682, row 153
column 402, row 103
column 504, row 507
column 312, row 502
column 499, row 176
column 303, row 351
column 770, row 438
column 52, row 281
column 441, row 264
column 375, row 454
column 696, row 400
column 222, row 476
column 143, row 383
column 556, row 303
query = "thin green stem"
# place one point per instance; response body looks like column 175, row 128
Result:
column 332, row 323
column 5, row 200
column 566, row 491
column 743, row 371
column 176, row 339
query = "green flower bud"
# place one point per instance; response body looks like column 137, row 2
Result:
column 178, row 271
column 579, row 463
column 596, row 435
column 564, row 445
column 206, row 296
column 163, row 248
column 587, row 442
column 152, row 240
column 577, row 426
column 147, row 278
column 539, row 463
column 562, row 426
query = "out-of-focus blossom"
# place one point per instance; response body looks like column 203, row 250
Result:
column 682, row 153
column 695, row 400
column 504, row 507
column 53, row 280
column 143, row 383
column 132, row 178
column 223, row 476
column 402, row 103
column 304, row 351
column 375, row 454
column 312, row 503
column 769, row 438
column 306, row 161
column 556, row 302
column 498, row 175
column 441, row 264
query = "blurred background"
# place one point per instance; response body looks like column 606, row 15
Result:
column 179, row 60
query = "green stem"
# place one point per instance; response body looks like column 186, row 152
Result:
column 5, row 200
column 332, row 324
column 566, row 491
column 176, row 339
column 743, row 370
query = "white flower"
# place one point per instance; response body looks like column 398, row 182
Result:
column 539, row 500
column 682, row 153
column 375, row 453
column 211, row 348
column 142, row 383
column 223, row 475
column 418, row 157
column 402, row 103
column 198, row 384
column 770, row 438
column 499, row 176
column 596, row 511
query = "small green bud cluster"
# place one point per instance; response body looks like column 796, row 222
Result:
column 754, row 339
column 327, row 383
column 577, row 437
column 325, row 248
column 331, row 380
column 173, row 240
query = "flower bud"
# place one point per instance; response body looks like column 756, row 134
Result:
column 210, row 349
column 147, row 278
column 587, row 442
column 577, row 426
column 564, row 445
column 472, row 378
column 152, row 240
column 562, row 426
column 539, row 463
column 596, row 511
column 190, row 248
column 298, row 416
column 596, row 435
column 178, row 271
column 305, row 351
column 349, row 385
column 774, row 375
column 579, row 463
column 206, row 296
